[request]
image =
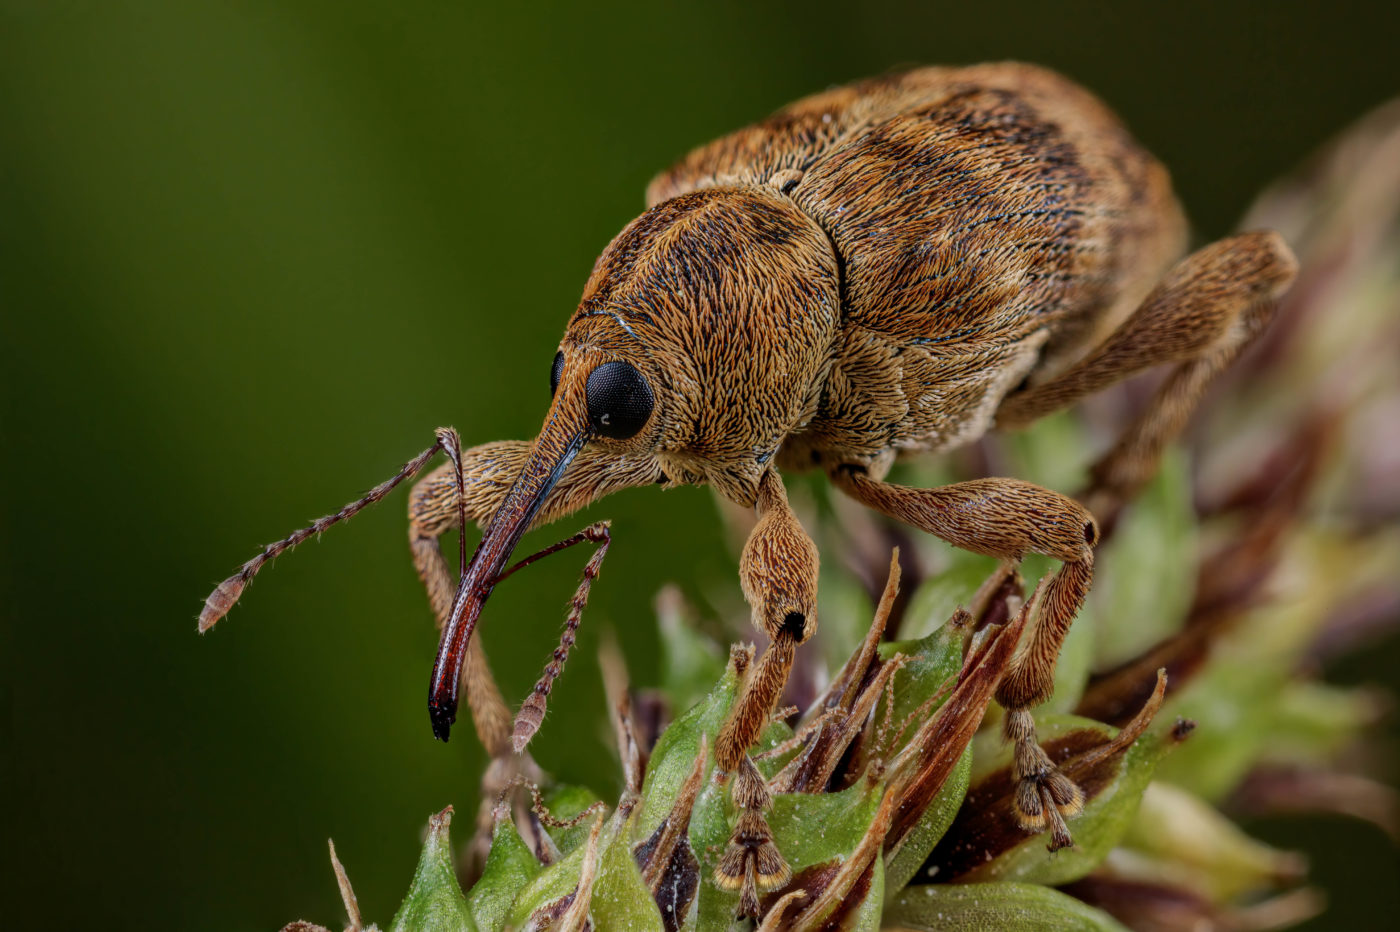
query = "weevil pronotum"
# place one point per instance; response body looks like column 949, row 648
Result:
column 889, row 268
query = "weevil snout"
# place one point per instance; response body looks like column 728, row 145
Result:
column 595, row 398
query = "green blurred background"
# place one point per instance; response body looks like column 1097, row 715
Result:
column 251, row 254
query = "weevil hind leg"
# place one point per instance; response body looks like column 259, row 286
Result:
column 1007, row 519
column 1206, row 309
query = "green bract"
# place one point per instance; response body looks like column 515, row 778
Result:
column 435, row 902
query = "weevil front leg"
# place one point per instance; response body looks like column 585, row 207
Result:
column 778, row 573
column 531, row 714
column 1202, row 314
column 489, row 713
column 487, row 472
column 1009, row 518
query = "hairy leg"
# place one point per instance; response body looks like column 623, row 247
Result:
column 778, row 573
column 1007, row 519
column 1204, row 312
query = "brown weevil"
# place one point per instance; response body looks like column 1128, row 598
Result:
column 888, row 268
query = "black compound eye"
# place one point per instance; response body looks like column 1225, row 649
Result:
column 555, row 371
column 619, row 400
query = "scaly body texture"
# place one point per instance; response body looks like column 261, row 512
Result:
column 987, row 223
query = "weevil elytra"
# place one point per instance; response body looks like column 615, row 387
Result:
column 888, row 268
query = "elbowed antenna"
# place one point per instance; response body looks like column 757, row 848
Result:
column 555, row 448
column 227, row 592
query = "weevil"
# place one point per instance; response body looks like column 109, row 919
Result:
column 889, row 268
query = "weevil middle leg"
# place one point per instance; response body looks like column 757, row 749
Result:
column 1007, row 519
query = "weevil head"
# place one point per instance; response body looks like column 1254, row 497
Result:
column 703, row 339
column 704, row 335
